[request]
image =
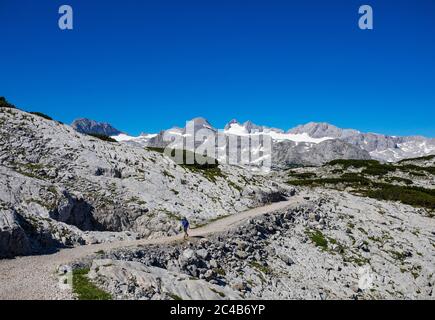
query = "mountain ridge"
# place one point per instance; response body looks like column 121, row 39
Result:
column 381, row 147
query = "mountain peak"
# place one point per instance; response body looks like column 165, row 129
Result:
column 228, row 125
column 88, row 126
column 323, row 130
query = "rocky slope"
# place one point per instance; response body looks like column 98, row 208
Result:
column 59, row 187
column 337, row 246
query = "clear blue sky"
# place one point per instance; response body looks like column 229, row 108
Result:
column 147, row 65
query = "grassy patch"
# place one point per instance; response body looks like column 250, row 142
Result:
column 85, row 289
column 260, row 267
column 221, row 294
column 234, row 185
column 210, row 174
column 360, row 261
column 174, row 296
column 318, row 239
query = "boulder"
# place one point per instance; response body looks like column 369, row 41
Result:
column 286, row 259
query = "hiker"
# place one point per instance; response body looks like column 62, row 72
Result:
column 185, row 224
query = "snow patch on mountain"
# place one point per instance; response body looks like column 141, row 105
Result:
column 236, row 128
column 125, row 137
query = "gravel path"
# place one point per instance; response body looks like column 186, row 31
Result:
column 34, row 277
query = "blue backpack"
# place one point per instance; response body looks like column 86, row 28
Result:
column 185, row 223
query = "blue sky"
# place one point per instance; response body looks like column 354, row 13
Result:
column 148, row 65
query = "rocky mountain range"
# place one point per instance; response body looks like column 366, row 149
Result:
column 309, row 144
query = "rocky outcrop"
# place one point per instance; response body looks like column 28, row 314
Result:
column 287, row 153
column 336, row 246
column 75, row 210
column 13, row 239
column 134, row 280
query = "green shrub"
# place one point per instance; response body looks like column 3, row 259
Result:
column 42, row 115
column 102, row 137
column 347, row 178
column 414, row 196
column 346, row 163
column 303, row 175
column 85, row 289
column 378, row 170
column 5, row 104
column 425, row 158
column 371, row 167
column 417, row 170
column 400, row 180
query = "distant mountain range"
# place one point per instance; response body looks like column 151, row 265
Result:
column 309, row 144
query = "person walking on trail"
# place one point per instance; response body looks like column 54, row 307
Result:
column 185, row 224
